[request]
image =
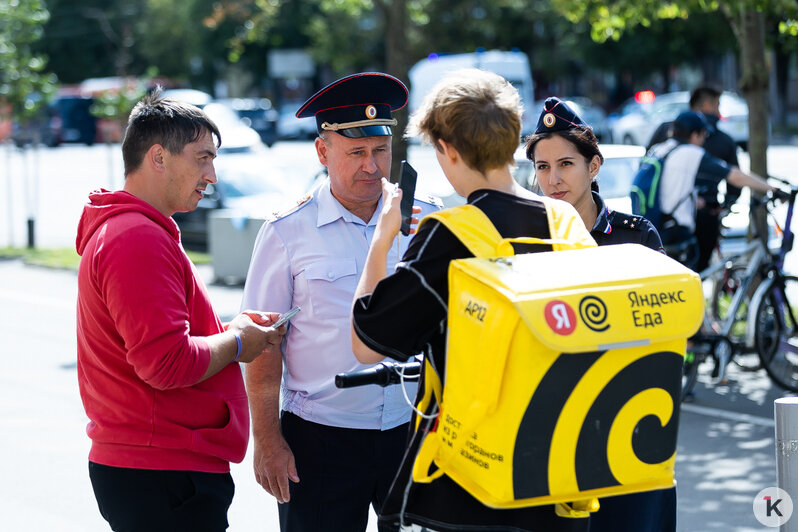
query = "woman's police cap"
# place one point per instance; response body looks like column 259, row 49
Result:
column 558, row 116
column 357, row 106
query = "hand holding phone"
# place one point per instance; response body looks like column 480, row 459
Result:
column 285, row 317
column 407, row 184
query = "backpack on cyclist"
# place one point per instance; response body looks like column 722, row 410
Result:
column 645, row 190
column 563, row 368
column 679, row 242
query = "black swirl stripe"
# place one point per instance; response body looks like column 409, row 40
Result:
column 652, row 443
column 593, row 312
column 533, row 441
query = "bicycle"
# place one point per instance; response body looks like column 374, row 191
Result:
column 749, row 312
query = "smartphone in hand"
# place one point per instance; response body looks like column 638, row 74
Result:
column 407, row 184
column 285, row 317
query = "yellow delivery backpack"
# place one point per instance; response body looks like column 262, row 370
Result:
column 563, row 369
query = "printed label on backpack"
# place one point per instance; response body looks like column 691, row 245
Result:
column 474, row 308
column 560, row 317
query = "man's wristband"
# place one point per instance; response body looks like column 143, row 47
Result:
column 238, row 352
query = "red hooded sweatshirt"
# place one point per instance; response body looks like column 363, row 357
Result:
column 142, row 314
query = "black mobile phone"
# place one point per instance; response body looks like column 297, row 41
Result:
column 407, row 184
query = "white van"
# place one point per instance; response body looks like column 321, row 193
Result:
column 512, row 66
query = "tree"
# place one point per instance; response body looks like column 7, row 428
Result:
column 93, row 38
column 609, row 19
column 25, row 85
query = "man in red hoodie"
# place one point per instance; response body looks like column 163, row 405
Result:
column 157, row 369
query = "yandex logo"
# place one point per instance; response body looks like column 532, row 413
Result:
column 560, row 317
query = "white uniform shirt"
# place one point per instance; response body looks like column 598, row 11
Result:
column 313, row 257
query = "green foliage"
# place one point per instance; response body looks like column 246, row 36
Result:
column 609, row 19
column 61, row 258
column 789, row 27
column 116, row 105
column 67, row 258
column 24, row 82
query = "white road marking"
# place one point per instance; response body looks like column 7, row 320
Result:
column 726, row 414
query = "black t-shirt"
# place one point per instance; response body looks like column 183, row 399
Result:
column 405, row 315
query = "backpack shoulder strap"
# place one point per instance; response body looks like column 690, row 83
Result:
column 475, row 230
column 689, row 192
column 472, row 227
column 566, row 228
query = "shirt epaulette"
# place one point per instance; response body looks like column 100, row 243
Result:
column 430, row 199
column 627, row 221
column 301, row 202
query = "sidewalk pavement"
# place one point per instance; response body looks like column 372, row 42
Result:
column 722, row 460
column 45, row 484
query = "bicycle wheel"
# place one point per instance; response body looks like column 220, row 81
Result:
column 776, row 334
column 690, row 372
column 723, row 290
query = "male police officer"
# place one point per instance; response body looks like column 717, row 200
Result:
column 339, row 449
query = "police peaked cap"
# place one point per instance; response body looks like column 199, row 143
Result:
column 558, row 116
column 357, row 106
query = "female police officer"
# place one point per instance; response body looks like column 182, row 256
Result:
column 567, row 159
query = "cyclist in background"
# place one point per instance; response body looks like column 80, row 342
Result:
column 706, row 100
column 686, row 160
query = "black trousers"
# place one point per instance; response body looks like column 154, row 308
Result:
column 341, row 472
column 146, row 500
column 707, row 232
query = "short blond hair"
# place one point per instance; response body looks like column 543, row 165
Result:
column 477, row 112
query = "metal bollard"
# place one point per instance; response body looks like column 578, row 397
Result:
column 786, row 414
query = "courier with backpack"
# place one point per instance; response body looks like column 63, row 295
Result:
column 574, row 371
column 679, row 242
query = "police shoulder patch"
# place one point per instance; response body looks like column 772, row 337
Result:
column 628, row 221
column 301, row 202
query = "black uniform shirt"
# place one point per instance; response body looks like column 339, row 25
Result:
column 614, row 227
column 405, row 315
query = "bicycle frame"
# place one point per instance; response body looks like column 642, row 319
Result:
column 757, row 252
column 759, row 262
column 775, row 273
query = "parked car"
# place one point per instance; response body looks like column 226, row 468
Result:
column 250, row 186
column 432, row 181
column 67, row 118
column 256, row 113
column 43, row 128
column 77, row 122
column 192, row 96
column 237, row 136
column 291, row 127
column 592, row 114
column 639, row 117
